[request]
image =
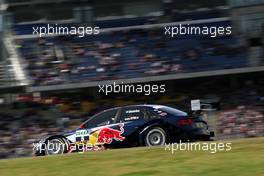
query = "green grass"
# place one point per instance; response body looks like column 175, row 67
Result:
column 245, row 159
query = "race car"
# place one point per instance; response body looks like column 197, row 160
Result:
column 128, row 126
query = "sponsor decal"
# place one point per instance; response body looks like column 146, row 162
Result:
column 82, row 135
column 131, row 118
column 103, row 135
column 132, row 111
column 106, row 135
column 163, row 114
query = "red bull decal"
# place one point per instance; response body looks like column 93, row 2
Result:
column 85, row 140
column 106, row 135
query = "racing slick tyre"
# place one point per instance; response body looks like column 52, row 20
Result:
column 155, row 137
column 55, row 146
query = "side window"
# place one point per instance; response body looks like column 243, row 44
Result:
column 129, row 114
column 101, row 119
column 152, row 114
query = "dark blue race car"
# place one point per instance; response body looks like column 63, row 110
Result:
column 136, row 125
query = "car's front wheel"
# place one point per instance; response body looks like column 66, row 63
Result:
column 55, row 146
column 155, row 137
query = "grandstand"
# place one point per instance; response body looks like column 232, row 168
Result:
column 130, row 47
column 144, row 52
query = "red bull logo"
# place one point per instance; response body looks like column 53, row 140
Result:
column 106, row 135
column 86, row 141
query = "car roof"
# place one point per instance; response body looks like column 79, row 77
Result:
column 146, row 105
column 155, row 106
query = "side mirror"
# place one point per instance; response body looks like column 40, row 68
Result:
column 82, row 126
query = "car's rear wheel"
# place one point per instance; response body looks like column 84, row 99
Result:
column 155, row 136
column 55, row 146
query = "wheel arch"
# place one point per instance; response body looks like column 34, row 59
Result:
column 57, row 136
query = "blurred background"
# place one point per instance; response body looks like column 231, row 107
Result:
column 50, row 84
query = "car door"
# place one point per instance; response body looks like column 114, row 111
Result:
column 132, row 118
column 90, row 132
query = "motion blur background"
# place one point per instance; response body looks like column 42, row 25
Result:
column 50, row 84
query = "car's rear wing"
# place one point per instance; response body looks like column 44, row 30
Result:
column 204, row 105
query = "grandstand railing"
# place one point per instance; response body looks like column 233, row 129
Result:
column 146, row 79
